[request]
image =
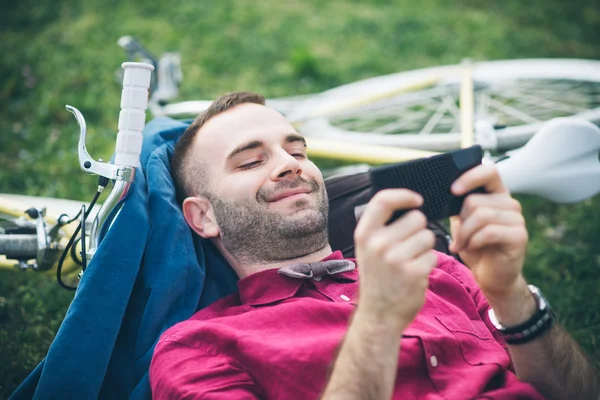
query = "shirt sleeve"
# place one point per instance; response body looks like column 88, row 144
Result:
column 178, row 371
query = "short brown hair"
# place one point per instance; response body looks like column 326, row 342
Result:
column 190, row 174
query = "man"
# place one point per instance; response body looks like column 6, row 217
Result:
column 298, row 328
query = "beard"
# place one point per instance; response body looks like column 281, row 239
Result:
column 254, row 234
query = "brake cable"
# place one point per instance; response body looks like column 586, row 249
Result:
column 102, row 182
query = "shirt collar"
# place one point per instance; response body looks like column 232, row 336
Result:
column 268, row 286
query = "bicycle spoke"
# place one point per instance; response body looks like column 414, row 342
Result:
column 542, row 102
column 562, row 94
column 435, row 118
column 513, row 112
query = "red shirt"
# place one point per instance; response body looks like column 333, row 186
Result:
column 277, row 338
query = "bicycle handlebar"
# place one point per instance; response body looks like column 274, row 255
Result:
column 132, row 118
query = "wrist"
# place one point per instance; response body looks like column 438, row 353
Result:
column 532, row 328
column 378, row 322
column 515, row 306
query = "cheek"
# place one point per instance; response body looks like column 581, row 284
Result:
column 311, row 171
column 237, row 188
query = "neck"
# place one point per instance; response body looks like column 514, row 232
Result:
column 245, row 269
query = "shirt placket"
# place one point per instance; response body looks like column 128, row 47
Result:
column 336, row 291
column 435, row 361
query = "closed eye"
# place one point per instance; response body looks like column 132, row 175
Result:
column 249, row 165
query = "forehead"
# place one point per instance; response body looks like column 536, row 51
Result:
column 240, row 124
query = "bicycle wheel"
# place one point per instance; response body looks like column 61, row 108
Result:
column 420, row 109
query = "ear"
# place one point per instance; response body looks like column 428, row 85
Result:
column 199, row 215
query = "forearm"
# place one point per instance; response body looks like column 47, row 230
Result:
column 556, row 366
column 366, row 365
column 553, row 362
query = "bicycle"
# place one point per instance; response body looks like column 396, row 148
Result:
column 38, row 239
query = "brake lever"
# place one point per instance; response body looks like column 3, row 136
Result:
column 88, row 164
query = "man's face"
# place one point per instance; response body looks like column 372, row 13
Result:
column 269, row 201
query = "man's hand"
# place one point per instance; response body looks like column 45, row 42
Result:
column 394, row 260
column 490, row 233
column 490, row 236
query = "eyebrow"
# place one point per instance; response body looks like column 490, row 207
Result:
column 254, row 144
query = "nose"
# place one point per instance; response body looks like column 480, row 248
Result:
column 287, row 167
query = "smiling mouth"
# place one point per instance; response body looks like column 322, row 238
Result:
column 290, row 195
column 295, row 196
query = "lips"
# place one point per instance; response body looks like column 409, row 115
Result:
column 288, row 193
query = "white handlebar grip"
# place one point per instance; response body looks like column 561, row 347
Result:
column 132, row 118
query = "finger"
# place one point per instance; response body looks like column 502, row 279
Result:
column 410, row 223
column 501, row 201
column 485, row 175
column 422, row 265
column 481, row 217
column 382, row 240
column 411, row 248
column 381, row 207
column 455, row 224
column 497, row 235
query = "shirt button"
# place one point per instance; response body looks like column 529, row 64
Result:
column 433, row 361
column 317, row 278
column 344, row 297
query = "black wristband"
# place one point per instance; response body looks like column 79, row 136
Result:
column 531, row 329
column 530, row 333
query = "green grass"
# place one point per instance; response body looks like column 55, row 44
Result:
column 31, row 310
column 57, row 53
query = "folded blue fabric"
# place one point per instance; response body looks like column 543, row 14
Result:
column 149, row 273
